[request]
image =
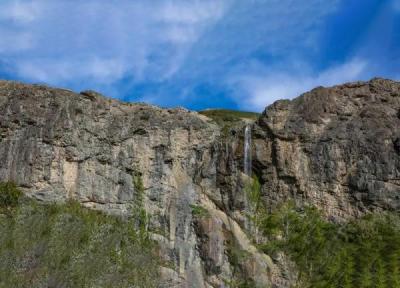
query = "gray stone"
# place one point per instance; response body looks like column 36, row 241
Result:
column 337, row 148
column 334, row 147
column 58, row 145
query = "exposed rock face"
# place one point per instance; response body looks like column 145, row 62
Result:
column 338, row 148
column 59, row 145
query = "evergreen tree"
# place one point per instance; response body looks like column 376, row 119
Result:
column 363, row 253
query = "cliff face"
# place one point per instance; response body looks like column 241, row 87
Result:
column 337, row 148
column 58, row 145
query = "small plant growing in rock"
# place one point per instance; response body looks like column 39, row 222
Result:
column 253, row 192
column 237, row 256
column 9, row 194
column 199, row 211
column 139, row 187
column 139, row 213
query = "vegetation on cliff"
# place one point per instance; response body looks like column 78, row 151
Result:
column 361, row 253
column 66, row 245
column 227, row 119
column 222, row 116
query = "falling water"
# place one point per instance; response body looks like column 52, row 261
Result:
column 247, row 150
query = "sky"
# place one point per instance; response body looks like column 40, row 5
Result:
column 234, row 54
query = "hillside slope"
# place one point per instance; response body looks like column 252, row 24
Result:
column 336, row 148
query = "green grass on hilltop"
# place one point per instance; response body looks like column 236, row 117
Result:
column 222, row 116
column 228, row 119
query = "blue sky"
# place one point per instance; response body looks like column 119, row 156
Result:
column 237, row 54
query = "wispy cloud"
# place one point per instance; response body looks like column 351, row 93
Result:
column 21, row 41
column 100, row 43
column 172, row 52
column 95, row 40
column 254, row 92
column 396, row 5
column 250, row 29
column 20, row 12
column 44, row 70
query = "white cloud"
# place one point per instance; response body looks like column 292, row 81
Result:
column 189, row 12
column 184, row 42
column 15, row 16
column 44, row 70
column 98, row 41
column 20, row 11
column 255, row 92
column 396, row 5
column 21, row 41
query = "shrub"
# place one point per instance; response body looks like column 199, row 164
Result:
column 66, row 245
column 199, row 211
column 9, row 194
column 253, row 192
column 361, row 253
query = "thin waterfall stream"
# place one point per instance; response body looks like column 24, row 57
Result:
column 247, row 150
column 249, row 201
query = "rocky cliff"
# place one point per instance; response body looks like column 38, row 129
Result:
column 334, row 147
column 337, row 148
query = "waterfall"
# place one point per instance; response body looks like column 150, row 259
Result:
column 247, row 150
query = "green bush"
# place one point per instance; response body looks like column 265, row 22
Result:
column 199, row 211
column 9, row 194
column 253, row 192
column 361, row 253
column 71, row 246
column 139, row 214
column 237, row 256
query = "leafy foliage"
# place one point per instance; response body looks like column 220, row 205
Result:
column 138, row 211
column 253, row 192
column 70, row 246
column 199, row 211
column 138, row 184
column 9, row 194
column 361, row 253
column 236, row 256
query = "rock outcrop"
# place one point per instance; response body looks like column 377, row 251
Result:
column 59, row 145
column 337, row 148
